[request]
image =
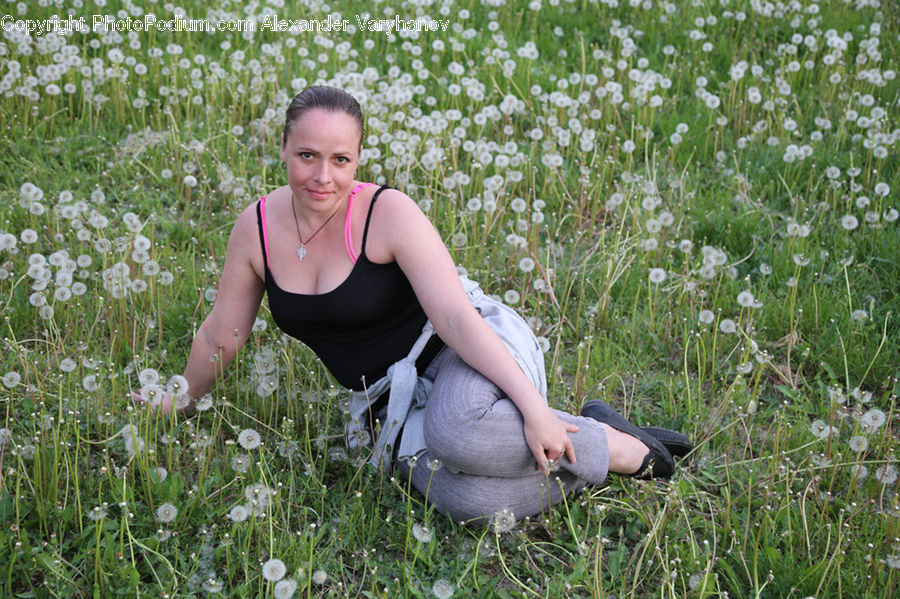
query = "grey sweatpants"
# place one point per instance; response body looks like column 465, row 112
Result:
column 485, row 465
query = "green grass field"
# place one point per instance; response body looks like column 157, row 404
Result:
column 693, row 203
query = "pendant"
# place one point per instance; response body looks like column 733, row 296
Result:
column 301, row 252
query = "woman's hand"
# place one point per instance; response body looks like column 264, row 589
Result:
column 548, row 438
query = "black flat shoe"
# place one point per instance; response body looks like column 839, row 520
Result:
column 677, row 444
column 658, row 463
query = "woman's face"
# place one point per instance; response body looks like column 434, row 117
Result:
column 322, row 153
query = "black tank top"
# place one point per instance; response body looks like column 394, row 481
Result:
column 368, row 322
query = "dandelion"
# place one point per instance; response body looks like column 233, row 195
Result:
column 285, row 589
column 727, row 326
column 162, row 535
column 511, row 297
column 706, row 316
column 422, row 533
column 887, row 474
column 872, row 420
column 657, row 275
column 442, row 589
column 166, row 513
column 526, row 264
column 746, row 299
column 240, row 463
column 96, row 513
column 238, row 513
column 859, row 472
column 765, row 269
column 503, row 521
column 11, row 379
column 249, row 439
column 819, row 428
column 849, row 222
column 177, row 386
column 274, row 570
column 204, row 403
column 152, row 394
column 213, row 585
column 320, row 577
column 148, row 376
column 859, row 443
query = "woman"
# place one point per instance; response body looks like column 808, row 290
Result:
column 356, row 271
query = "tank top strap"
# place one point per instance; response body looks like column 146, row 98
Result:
column 348, row 231
column 263, row 232
column 369, row 218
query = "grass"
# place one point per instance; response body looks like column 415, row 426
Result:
column 792, row 489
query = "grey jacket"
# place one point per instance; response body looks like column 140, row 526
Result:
column 408, row 392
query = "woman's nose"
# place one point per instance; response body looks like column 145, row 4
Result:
column 322, row 173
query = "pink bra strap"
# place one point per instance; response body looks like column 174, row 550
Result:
column 348, row 233
column 262, row 210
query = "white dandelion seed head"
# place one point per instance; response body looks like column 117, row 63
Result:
column 238, row 513
column 657, row 275
column 258, row 493
column 442, row 589
column 152, row 394
column 240, row 463
column 872, row 420
column 11, row 379
column 849, row 222
column 706, row 316
column 320, row 577
column 96, row 513
column 285, row 589
column 148, row 376
column 274, row 570
column 204, row 403
column 526, row 264
column 422, row 533
column 177, row 386
column 727, row 326
column 166, row 513
column 858, row 443
column 886, row 474
column 745, row 298
column 820, row 429
column 503, row 521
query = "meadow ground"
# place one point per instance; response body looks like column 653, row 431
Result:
column 693, row 203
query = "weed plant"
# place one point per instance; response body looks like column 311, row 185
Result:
column 693, row 203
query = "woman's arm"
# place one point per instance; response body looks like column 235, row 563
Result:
column 228, row 325
column 407, row 234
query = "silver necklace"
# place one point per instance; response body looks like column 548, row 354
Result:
column 301, row 251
